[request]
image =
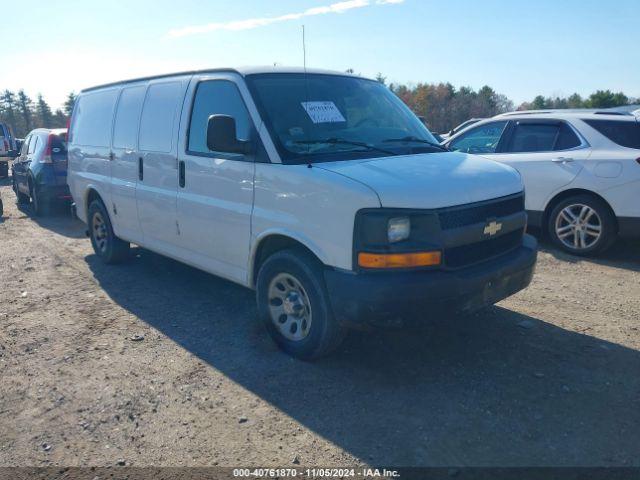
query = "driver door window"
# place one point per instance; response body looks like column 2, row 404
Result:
column 482, row 139
column 217, row 97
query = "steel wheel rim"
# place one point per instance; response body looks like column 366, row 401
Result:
column 99, row 229
column 578, row 226
column 289, row 307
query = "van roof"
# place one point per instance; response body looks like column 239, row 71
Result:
column 244, row 71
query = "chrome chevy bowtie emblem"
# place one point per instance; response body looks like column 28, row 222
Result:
column 492, row 228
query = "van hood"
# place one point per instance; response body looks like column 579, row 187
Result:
column 431, row 180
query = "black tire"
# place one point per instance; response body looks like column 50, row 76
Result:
column 1, row 208
column 602, row 218
column 107, row 246
column 22, row 199
column 323, row 332
column 39, row 205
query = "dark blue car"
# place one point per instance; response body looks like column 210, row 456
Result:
column 40, row 170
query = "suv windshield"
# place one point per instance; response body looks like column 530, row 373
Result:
column 320, row 118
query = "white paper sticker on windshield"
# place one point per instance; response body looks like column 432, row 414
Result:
column 323, row 112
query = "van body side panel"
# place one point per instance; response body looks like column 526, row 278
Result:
column 315, row 203
column 215, row 200
column 89, row 152
column 124, row 166
column 157, row 144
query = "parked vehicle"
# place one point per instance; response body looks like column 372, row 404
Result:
column 7, row 149
column 459, row 128
column 322, row 191
column 40, row 170
column 581, row 171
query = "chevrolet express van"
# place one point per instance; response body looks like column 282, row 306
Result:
column 322, row 191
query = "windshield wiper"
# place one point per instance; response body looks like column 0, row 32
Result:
column 417, row 140
column 341, row 141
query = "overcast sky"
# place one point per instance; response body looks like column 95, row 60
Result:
column 520, row 48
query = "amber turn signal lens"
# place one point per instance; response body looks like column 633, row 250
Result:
column 399, row 260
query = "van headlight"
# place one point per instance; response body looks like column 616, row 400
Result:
column 398, row 229
column 396, row 238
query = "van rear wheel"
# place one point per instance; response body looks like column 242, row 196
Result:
column 107, row 246
column 294, row 306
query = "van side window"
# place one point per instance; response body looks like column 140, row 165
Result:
column 125, row 128
column 92, row 118
column 158, row 117
column 216, row 97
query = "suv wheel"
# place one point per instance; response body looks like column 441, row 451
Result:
column 22, row 198
column 582, row 225
column 293, row 304
column 107, row 246
column 39, row 205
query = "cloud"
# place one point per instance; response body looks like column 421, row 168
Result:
column 251, row 23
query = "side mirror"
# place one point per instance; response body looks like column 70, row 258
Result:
column 222, row 137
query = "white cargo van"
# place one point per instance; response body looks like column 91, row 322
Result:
column 322, row 191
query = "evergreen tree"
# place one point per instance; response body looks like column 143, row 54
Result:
column 25, row 109
column 69, row 103
column 9, row 108
column 59, row 119
column 44, row 116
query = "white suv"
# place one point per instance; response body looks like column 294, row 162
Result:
column 581, row 170
column 322, row 191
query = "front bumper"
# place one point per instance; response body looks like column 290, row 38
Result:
column 390, row 298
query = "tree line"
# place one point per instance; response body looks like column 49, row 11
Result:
column 445, row 106
column 441, row 104
column 24, row 114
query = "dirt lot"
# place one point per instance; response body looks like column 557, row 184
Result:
column 549, row 377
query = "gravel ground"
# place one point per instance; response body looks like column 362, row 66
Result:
column 156, row 363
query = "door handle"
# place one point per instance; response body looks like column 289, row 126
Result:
column 562, row 160
column 181, row 174
column 140, row 169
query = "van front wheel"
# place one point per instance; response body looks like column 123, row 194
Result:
column 293, row 304
column 107, row 246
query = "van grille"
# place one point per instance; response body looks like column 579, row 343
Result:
column 468, row 215
column 471, row 253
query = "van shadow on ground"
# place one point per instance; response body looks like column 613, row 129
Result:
column 497, row 388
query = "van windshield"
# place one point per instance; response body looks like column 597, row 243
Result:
column 321, row 118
